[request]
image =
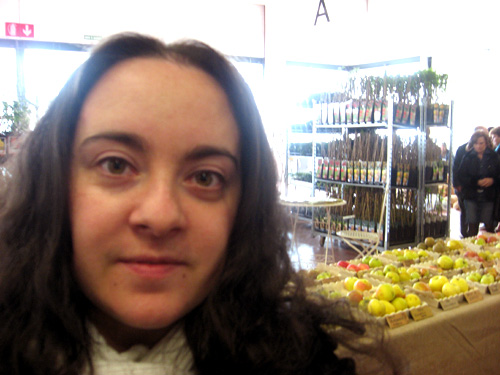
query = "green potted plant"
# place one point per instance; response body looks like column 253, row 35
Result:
column 15, row 118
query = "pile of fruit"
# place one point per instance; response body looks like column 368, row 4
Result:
column 387, row 299
column 441, row 287
column 384, row 284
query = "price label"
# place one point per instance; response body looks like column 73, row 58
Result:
column 397, row 320
column 494, row 288
column 488, row 263
column 473, row 296
column 408, row 262
column 421, row 312
column 448, row 303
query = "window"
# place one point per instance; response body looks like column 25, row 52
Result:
column 8, row 74
column 45, row 73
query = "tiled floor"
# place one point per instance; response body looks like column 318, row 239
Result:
column 310, row 249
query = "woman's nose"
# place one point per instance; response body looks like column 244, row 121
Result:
column 158, row 209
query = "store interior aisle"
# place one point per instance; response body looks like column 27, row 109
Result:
column 310, row 250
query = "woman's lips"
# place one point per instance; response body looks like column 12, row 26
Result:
column 151, row 267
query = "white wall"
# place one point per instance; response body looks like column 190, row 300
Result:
column 461, row 35
column 234, row 27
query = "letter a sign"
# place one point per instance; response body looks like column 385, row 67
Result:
column 19, row 30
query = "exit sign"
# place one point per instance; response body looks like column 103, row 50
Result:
column 20, row 30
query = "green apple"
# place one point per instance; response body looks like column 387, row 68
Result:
column 366, row 259
column 459, row 263
column 423, row 253
column 399, row 303
column 415, row 275
column 410, row 254
column 394, row 276
column 487, row 278
column 390, row 268
column 480, row 241
column 385, row 292
column 376, row 307
column 474, row 277
column 375, row 262
column 378, row 272
column 323, row 275
column 445, row 262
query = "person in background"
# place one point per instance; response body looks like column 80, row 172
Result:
column 457, row 185
column 479, row 175
column 495, row 139
column 141, row 232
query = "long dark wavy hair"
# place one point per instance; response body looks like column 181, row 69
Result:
column 257, row 320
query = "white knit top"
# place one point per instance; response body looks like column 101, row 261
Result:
column 171, row 355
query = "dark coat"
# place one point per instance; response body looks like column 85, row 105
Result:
column 457, row 160
column 469, row 174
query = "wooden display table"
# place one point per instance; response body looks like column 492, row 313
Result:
column 464, row 340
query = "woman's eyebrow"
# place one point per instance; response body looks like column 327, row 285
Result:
column 200, row 152
column 128, row 139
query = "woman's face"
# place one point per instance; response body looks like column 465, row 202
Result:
column 495, row 139
column 155, row 186
column 480, row 145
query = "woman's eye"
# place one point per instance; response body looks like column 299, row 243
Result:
column 115, row 166
column 208, row 179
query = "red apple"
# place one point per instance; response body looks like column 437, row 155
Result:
column 362, row 285
column 363, row 266
column 355, row 297
column 342, row 263
column 352, row 267
column 420, row 285
column 483, row 236
column 470, row 254
column 492, row 239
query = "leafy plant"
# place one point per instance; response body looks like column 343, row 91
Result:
column 15, row 119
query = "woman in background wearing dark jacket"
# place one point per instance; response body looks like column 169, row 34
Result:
column 479, row 173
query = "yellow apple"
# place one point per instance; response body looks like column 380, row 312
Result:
column 412, row 300
column 376, row 307
column 436, row 282
column 404, row 276
column 389, row 307
column 394, row 276
column 399, row 303
column 450, row 289
column 398, row 291
column 385, row 292
column 454, row 245
column 349, row 282
column 461, row 282
column 445, row 262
